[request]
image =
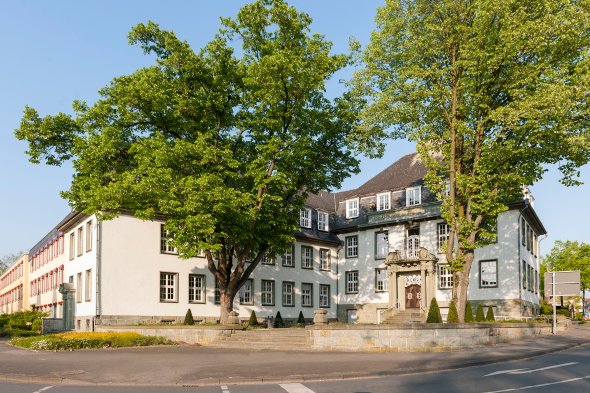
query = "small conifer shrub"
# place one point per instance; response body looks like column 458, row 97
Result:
column 253, row 321
column 479, row 317
column 434, row 313
column 188, row 318
column 490, row 315
column 301, row 319
column 468, row 313
column 453, row 316
column 278, row 323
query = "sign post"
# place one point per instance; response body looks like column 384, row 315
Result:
column 562, row 284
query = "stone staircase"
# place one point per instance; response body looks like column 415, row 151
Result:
column 284, row 339
column 405, row 316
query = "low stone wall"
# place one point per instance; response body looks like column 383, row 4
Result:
column 52, row 325
column 189, row 335
column 418, row 337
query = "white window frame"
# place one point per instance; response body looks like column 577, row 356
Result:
column 268, row 258
column 306, row 257
column 352, row 281
column 306, row 294
column 267, row 292
column 78, row 287
column 445, row 277
column 381, row 250
column 305, row 217
column 196, row 288
column 216, row 293
column 352, row 246
column 488, row 273
column 87, row 287
column 165, row 247
column 325, row 259
column 288, row 296
column 413, row 246
column 383, row 201
column 352, row 208
column 89, row 236
column 80, row 241
column 288, row 258
column 168, row 287
column 324, row 296
column 323, row 221
column 413, row 196
column 381, row 281
column 443, row 231
column 246, row 294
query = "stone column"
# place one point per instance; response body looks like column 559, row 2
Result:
column 393, row 295
column 423, row 285
column 68, row 290
column 320, row 316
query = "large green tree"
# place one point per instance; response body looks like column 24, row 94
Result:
column 224, row 143
column 571, row 255
column 490, row 91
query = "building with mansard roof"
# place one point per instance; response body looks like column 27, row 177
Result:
column 371, row 254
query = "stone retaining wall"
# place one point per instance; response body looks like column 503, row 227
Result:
column 417, row 337
column 189, row 335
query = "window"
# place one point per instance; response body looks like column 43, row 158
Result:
column 352, row 281
column 488, row 273
column 531, row 279
column 78, row 287
column 383, row 201
column 168, row 290
column 72, row 245
column 165, row 246
column 324, row 295
column 323, row 221
column 217, row 294
column 524, row 273
column 325, row 263
column 80, row 240
column 413, row 196
column 445, row 277
column 288, row 299
column 530, row 240
column 88, row 287
column 535, row 244
column 523, row 231
column 306, row 257
column 413, row 246
column 442, row 231
column 288, row 257
column 352, row 248
column 306, row 295
column 246, row 292
column 352, row 208
column 267, row 292
column 381, row 244
column 88, row 236
column 381, row 280
column 305, row 218
column 268, row 258
column 196, row 288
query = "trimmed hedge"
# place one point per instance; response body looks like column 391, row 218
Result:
column 71, row 341
column 479, row 317
column 490, row 315
column 21, row 324
column 188, row 318
column 468, row 313
column 300, row 318
column 253, row 319
column 278, row 322
column 434, row 312
column 453, row 316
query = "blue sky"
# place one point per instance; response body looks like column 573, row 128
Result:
column 58, row 51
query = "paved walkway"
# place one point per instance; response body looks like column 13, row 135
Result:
column 194, row 365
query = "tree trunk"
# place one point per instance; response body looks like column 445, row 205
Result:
column 463, row 284
column 226, row 305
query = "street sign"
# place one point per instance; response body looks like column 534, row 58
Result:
column 566, row 283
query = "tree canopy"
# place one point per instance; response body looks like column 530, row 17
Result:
column 571, row 255
column 225, row 142
column 491, row 92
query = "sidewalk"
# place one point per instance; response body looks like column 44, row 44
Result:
column 192, row 365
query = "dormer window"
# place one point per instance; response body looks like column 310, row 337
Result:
column 305, row 218
column 384, row 201
column 413, row 196
column 323, row 221
column 352, row 208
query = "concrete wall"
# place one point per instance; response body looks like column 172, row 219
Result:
column 417, row 337
column 189, row 335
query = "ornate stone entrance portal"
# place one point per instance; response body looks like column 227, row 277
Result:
column 411, row 280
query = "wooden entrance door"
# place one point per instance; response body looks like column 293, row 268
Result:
column 413, row 296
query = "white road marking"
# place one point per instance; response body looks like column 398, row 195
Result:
column 541, row 385
column 505, row 372
column 295, row 388
column 528, row 370
column 225, row 389
column 43, row 389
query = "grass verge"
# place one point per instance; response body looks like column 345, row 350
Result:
column 72, row 341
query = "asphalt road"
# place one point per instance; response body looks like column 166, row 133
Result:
column 564, row 371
